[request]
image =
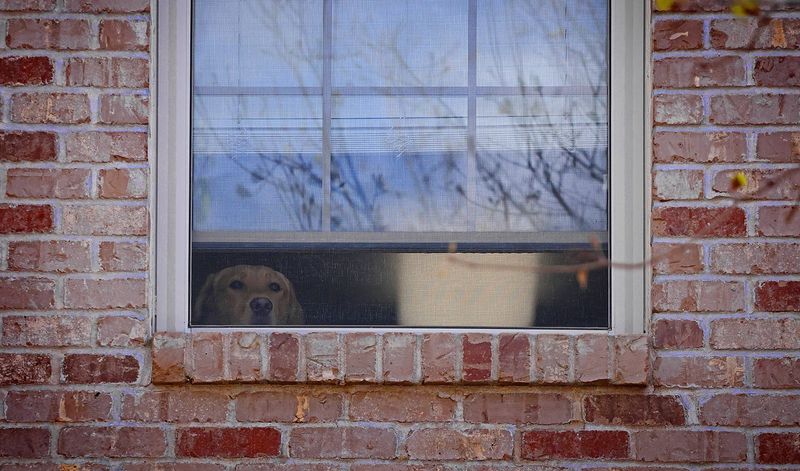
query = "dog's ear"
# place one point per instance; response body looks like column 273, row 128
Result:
column 295, row 309
column 205, row 306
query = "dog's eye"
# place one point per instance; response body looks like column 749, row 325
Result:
column 275, row 287
column 236, row 284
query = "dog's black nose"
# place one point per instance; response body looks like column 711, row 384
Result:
column 261, row 305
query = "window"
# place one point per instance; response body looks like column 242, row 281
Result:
column 380, row 163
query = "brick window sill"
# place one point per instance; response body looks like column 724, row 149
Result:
column 400, row 358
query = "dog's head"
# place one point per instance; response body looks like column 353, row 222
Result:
column 247, row 295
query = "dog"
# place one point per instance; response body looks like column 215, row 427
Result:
column 247, row 295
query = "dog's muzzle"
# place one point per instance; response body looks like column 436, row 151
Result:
column 261, row 307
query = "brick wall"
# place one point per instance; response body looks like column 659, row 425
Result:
column 75, row 355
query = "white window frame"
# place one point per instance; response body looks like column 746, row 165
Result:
column 629, row 154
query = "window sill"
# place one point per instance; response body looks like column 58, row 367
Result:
column 400, row 358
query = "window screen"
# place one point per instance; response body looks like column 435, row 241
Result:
column 399, row 162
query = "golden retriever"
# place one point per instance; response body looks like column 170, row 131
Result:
column 247, row 295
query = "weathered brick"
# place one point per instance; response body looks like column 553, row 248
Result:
column 779, row 220
column 120, row 331
column 439, row 358
column 634, row 409
column 755, row 109
column 50, row 108
column 108, row 6
column 677, row 334
column 342, row 442
column 677, row 259
column 552, row 358
column 762, row 184
column 517, row 408
column 698, row 296
column 777, row 71
column 398, row 357
column 24, row 368
column 53, row 406
column 123, row 256
column 591, row 359
column 29, row 33
column 116, row 72
column 24, row 443
column 477, row 358
column 48, row 183
column 677, row 184
column 690, row 446
column 755, row 334
column 105, row 294
column 177, row 406
column 677, row 109
column 778, row 448
column 776, row 373
column 779, row 147
column 123, row 183
column 777, row 296
column 755, row 258
column 16, row 218
column 750, row 410
column 322, row 357
column 688, row 72
column 47, row 331
column 87, row 368
column 514, row 358
column 112, row 442
column 677, row 35
column 699, row 372
column 27, row 5
column 105, row 220
column 207, row 358
column 361, row 353
column 631, row 359
column 449, row 444
column 120, row 35
column 124, row 109
column 669, row 147
column 169, row 359
column 755, row 33
column 21, row 146
column 244, row 356
column 275, row 406
column 59, row 256
column 284, row 353
column 27, row 293
column 26, row 71
column 401, row 406
column 693, row 6
column 106, row 146
column 698, row 222
column 585, row 444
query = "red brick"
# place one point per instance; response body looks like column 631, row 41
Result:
column 20, row 146
column 694, row 6
column 398, row 357
column 47, row 331
column 750, row 410
column 24, row 368
column 88, row 368
column 677, row 109
column 699, row 372
column 761, row 184
column 244, row 356
column 514, row 359
column 177, row 406
column 677, row 333
column 108, row 6
column 105, row 220
column 776, row 373
column 47, row 108
column 105, row 294
column 631, row 359
column 28, row 33
column 439, row 358
column 777, row 71
column 669, row 147
column 755, row 334
column 112, row 442
column 677, row 259
column 777, row 296
column 755, row 33
column 517, row 408
column 688, row 72
column 449, row 444
column 322, row 357
column 693, row 447
column 24, row 443
column 274, row 406
column 755, row 109
column 27, row 293
column 116, row 72
column 17, row 218
column 59, row 256
column 52, row 406
column 361, row 354
column 403, row 406
column 634, row 409
column 123, row 256
column 778, row 448
column 584, row 444
column 207, row 360
column 755, row 258
column 121, row 331
column 677, row 35
column 27, row 5
column 48, row 183
column 477, row 359
column 698, row 296
column 124, row 109
column 106, row 147
column 677, row 184
column 284, row 352
column 429, row 466
column 591, row 358
column 287, row 466
column 698, row 222
column 779, row 147
column 167, row 466
column 123, row 183
column 552, row 358
column 119, row 35
column 26, row 71
column 342, row 442
column 779, row 220
column 169, row 359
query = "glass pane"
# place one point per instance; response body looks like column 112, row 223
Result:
column 400, row 43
